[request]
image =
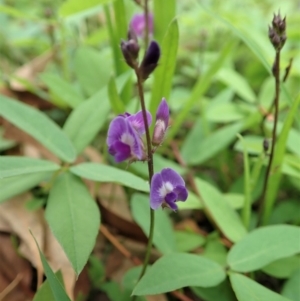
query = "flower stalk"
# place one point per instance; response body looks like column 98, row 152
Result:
column 150, row 165
column 277, row 37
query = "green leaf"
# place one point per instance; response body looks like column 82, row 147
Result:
column 96, row 271
column 199, row 89
column 222, row 292
column 187, row 241
column 248, row 290
column 164, row 239
column 131, row 276
column 116, row 30
column 283, row 268
column 222, row 213
column 215, row 250
column 208, row 147
column 164, row 12
column 192, row 202
column 159, row 163
column 224, row 113
column 87, row 119
column 291, row 288
column 164, row 73
column 71, row 7
column 105, row 173
column 92, row 68
column 275, row 172
column 252, row 44
column 54, row 282
column 235, row 81
column 115, row 100
column 62, row 89
column 11, row 166
column 263, row 246
column 246, row 210
column 73, row 217
column 39, row 126
column 113, row 291
column 44, row 293
column 285, row 212
column 177, row 270
column 12, row 186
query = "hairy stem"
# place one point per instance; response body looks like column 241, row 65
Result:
column 264, row 210
column 150, row 166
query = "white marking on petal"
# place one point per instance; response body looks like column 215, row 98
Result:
column 165, row 189
column 127, row 139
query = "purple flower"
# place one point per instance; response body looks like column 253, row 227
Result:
column 137, row 121
column 124, row 141
column 161, row 124
column 138, row 24
column 124, row 136
column 167, row 187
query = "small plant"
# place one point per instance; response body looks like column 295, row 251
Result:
column 185, row 136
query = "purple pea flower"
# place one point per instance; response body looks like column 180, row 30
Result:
column 167, row 187
column 124, row 141
column 161, row 124
column 138, row 24
column 124, row 136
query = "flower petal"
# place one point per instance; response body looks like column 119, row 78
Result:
column 163, row 112
column 172, row 205
column 121, row 151
column 138, row 24
column 137, row 146
column 181, row 192
column 171, row 197
column 116, row 129
column 156, row 199
column 137, row 121
column 169, row 175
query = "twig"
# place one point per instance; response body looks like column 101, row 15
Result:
column 11, row 286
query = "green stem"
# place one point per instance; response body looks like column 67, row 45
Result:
column 246, row 211
column 150, row 166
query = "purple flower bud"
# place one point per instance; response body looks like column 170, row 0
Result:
column 150, row 60
column 167, row 187
column 277, row 32
column 123, row 141
column 138, row 24
column 161, row 124
column 130, row 50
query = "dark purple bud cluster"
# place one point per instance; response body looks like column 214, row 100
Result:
column 130, row 50
column 277, row 32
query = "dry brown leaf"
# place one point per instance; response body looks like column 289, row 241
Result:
column 15, row 218
column 15, row 273
column 30, row 70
